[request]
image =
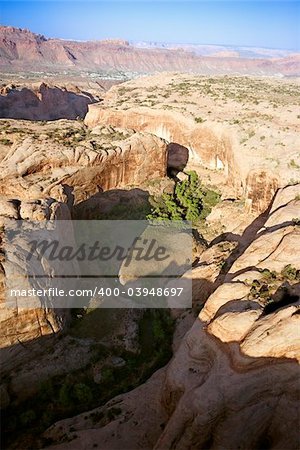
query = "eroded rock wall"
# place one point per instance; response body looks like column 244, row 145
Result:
column 43, row 102
column 209, row 145
column 30, row 170
column 22, row 328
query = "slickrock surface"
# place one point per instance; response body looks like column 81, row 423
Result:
column 65, row 161
column 234, row 380
column 41, row 101
column 248, row 129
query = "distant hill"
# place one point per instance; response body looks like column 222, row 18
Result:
column 22, row 50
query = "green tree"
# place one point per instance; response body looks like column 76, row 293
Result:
column 189, row 201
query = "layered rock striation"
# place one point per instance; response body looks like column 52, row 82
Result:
column 30, row 170
column 40, row 183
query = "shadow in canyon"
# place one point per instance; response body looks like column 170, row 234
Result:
column 244, row 240
column 285, row 295
column 121, row 204
column 48, row 103
column 177, row 159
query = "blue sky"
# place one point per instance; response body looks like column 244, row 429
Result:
column 269, row 23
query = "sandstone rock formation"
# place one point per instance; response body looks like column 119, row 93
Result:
column 72, row 176
column 234, row 380
column 43, row 102
column 217, row 135
column 22, row 327
column 210, row 145
column 80, row 170
column 24, row 50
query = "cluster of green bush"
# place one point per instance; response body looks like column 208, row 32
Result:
column 5, row 141
column 190, row 201
column 270, row 281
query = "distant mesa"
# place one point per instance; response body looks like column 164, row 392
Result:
column 22, row 50
column 115, row 42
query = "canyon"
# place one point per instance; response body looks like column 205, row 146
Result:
column 225, row 373
column 214, row 127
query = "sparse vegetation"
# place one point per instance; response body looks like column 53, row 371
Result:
column 293, row 164
column 5, row 141
column 264, row 287
column 190, row 201
column 66, row 395
column 199, row 120
column 290, row 273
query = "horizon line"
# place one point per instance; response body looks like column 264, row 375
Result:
column 241, row 46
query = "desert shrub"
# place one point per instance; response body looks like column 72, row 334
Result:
column 269, row 276
column 260, row 290
column 5, row 141
column 293, row 164
column 97, row 416
column 290, row 273
column 199, row 120
column 189, row 201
